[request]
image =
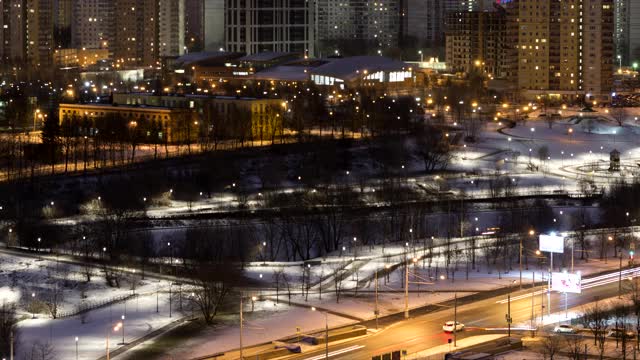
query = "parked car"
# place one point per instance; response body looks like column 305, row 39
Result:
column 619, row 333
column 565, row 329
column 449, row 326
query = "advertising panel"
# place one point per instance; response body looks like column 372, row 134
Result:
column 566, row 282
column 552, row 243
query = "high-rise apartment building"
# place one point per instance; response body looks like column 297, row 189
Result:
column 633, row 11
column 194, row 25
column 136, row 33
column 627, row 31
column 214, row 25
column 93, row 24
column 171, row 30
column 63, row 14
column 39, row 33
column 476, row 40
column 254, row 26
column 146, row 30
column 12, row 31
column 425, row 22
column 562, row 48
column 359, row 25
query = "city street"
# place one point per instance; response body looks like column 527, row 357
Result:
column 483, row 317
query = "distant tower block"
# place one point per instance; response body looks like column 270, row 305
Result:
column 614, row 160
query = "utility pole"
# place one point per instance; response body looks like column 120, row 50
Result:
column 521, row 263
column 376, row 310
column 573, row 240
column 549, row 286
column 108, row 330
column 326, row 336
column 406, row 289
column 542, row 301
column 241, row 327
column 455, row 319
column 533, row 285
column 11, row 345
column 509, row 314
column 620, row 275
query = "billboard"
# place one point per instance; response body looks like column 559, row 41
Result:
column 566, row 282
column 552, row 243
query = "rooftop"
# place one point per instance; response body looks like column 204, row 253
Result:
column 268, row 56
column 349, row 68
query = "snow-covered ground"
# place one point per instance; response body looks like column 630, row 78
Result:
column 573, row 146
column 140, row 319
column 31, row 283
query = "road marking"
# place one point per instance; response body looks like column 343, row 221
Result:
column 586, row 283
column 337, row 352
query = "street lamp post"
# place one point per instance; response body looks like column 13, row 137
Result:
column 620, row 275
column 619, row 63
column 421, row 56
column 455, row 319
column 326, row 332
column 122, row 317
column 76, row 348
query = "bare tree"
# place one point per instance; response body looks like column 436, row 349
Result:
column 338, row 275
column 434, row 148
column 580, row 221
column 551, row 346
column 633, row 294
column 212, row 287
column 620, row 314
column 55, row 297
column 596, row 318
column 8, row 329
column 41, row 351
column 619, row 114
column 212, row 267
column 278, row 280
column 575, row 346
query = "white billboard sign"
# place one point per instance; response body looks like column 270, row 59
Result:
column 566, row 282
column 552, row 243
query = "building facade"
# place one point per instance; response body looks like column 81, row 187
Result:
column 627, row 32
column 12, row 31
column 253, row 118
column 171, row 32
column 194, row 25
column 354, row 27
column 253, row 26
column 477, row 41
column 175, row 125
column 214, row 25
column 136, row 32
column 93, row 24
column 563, row 48
column 39, row 33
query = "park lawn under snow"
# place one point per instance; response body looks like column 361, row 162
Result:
column 22, row 277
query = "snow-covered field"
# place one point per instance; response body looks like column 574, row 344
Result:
column 35, row 285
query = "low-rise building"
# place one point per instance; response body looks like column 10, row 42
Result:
column 156, row 124
column 226, row 116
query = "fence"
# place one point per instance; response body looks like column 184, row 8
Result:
column 87, row 306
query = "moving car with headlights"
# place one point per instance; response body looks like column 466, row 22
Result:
column 449, row 326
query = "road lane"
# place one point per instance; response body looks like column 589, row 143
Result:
column 424, row 332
